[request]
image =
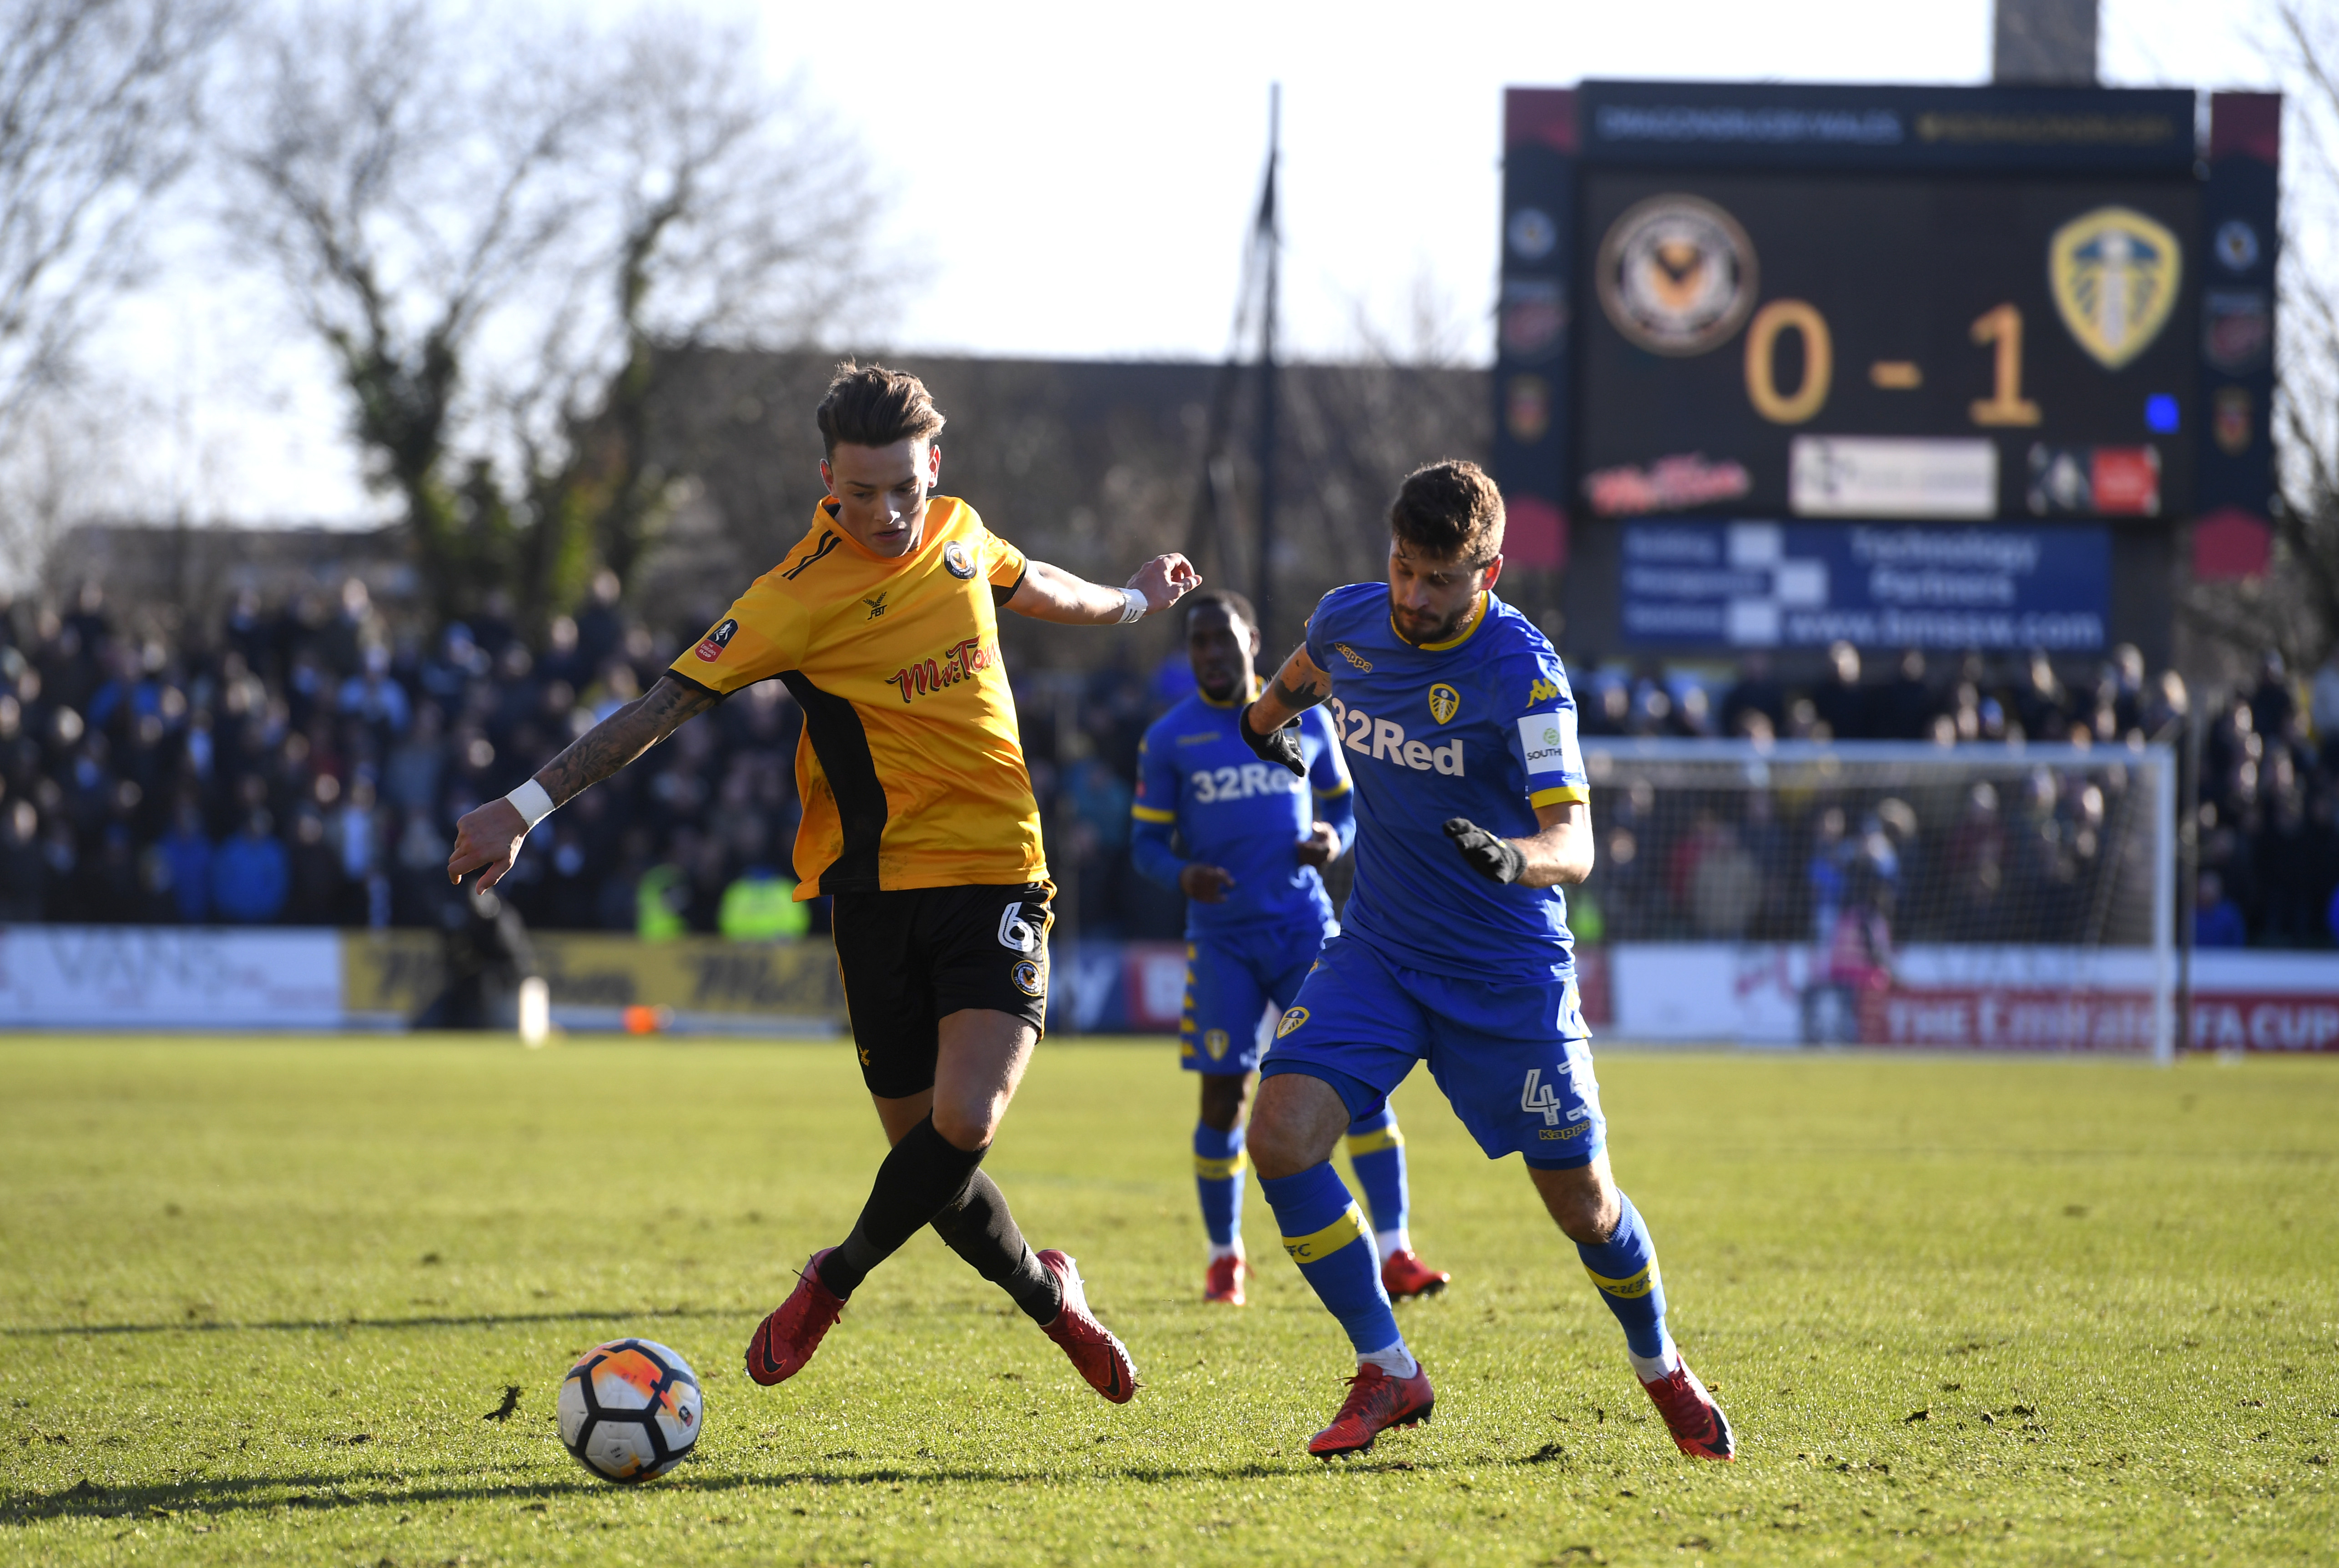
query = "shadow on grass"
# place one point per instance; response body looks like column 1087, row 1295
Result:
column 255, row 1495
column 327, row 1325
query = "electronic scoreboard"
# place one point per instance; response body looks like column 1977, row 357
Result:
column 1930, row 367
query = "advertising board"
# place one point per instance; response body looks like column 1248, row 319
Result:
column 1954, row 998
column 168, row 978
column 1751, row 585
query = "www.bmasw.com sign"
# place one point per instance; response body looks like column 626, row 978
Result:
column 1877, row 585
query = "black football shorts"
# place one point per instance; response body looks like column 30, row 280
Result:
column 912, row 957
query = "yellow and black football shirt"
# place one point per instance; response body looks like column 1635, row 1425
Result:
column 909, row 767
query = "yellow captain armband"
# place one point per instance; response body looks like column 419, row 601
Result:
column 1560, row 794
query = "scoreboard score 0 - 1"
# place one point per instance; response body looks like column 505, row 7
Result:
column 1879, row 324
column 1860, row 346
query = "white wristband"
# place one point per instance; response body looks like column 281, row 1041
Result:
column 1136, row 607
column 533, row 801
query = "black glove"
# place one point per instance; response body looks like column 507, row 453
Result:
column 1281, row 746
column 1488, row 854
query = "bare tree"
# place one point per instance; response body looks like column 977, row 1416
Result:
column 499, row 234
column 735, row 221
column 99, row 107
column 2306, row 532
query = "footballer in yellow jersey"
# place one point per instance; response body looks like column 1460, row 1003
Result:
column 918, row 819
column 909, row 767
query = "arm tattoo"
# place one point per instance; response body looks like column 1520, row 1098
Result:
column 1299, row 685
column 621, row 737
column 1299, row 697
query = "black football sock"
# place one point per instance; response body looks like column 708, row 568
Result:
column 978, row 1228
column 922, row 1173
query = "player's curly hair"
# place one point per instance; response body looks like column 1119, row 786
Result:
column 871, row 405
column 1450, row 510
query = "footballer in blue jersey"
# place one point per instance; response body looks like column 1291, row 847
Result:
column 1245, row 841
column 1473, row 812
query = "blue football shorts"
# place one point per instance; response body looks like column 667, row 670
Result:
column 1513, row 1061
column 1232, row 979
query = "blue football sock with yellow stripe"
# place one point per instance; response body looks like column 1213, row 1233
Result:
column 1218, row 1166
column 1377, row 1148
column 1624, row 1269
column 1324, row 1232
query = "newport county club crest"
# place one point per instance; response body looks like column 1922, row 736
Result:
column 2114, row 274
column 1676, row 275
column 1030, row 978
column 957, row 561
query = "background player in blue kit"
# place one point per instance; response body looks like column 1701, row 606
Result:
column 1241, row 839
column 1454, row 945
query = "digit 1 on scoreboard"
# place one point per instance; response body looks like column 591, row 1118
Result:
column 2006, row 405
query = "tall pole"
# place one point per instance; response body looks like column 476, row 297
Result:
column 2044, row 43
column 1269, row 239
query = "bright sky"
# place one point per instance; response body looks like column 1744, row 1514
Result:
column 1078, row 178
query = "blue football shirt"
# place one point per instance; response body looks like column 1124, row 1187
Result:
column 1196, row 776
column 1481, row 727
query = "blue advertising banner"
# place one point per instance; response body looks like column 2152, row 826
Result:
column 1875, row 585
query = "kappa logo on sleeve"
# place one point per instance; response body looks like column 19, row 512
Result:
column 1544, row 690
column 710, row 647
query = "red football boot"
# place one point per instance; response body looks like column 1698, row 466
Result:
column 1376, row 1403
column 1699, row 1427
column 785, row 1340
column 1403, row 1275
column 1100, row 1359
column 1224, row 1282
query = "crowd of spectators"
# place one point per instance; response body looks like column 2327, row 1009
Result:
column 305, row 762
column 2016, row 858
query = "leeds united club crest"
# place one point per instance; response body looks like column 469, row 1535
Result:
column 2114, row 274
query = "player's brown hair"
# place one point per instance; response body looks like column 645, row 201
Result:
column 871, row 405
column 1451, row 511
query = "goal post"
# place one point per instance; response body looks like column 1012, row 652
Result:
column 1882, row 893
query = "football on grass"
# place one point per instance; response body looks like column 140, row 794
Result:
column 630, row 1410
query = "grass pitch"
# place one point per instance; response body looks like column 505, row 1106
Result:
column 258, row 1297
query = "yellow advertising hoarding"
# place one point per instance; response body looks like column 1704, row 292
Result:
column 707, row 981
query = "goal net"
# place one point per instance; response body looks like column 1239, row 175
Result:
column 2012, row 898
